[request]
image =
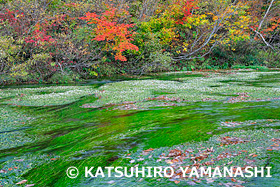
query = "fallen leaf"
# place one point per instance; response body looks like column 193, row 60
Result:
column 191, row 183
column 208, row 163
column 169, row 162
column 209, row 180
column 175, row 160
column 174, row 153
column 22, row 182
column 253, row 155
column 148, row 150
column 140, row 159
column 248, row 160
column 3, row 171
column 229, row 162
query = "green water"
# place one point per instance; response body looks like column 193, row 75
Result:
column 80, row 137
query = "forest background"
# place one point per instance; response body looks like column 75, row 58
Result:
column 59, row 41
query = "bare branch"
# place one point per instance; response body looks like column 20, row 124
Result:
column 257, row 32
column 267, row 11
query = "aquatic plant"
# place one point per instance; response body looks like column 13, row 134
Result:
column 229, row 88
column 232, row 149
column 45, row 96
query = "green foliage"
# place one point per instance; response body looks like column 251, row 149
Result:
column 107, row 68
column 270, row 58
column 262, row 68
column 66, row 77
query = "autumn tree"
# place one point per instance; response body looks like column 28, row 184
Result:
column 116, row 35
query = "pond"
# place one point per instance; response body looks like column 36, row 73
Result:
column 46, row 129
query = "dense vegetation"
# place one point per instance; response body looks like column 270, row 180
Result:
column 65, row 40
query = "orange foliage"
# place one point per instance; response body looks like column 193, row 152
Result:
column 274, row 24
column 107, row 28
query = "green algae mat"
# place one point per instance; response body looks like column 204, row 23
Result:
column 176, row 119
